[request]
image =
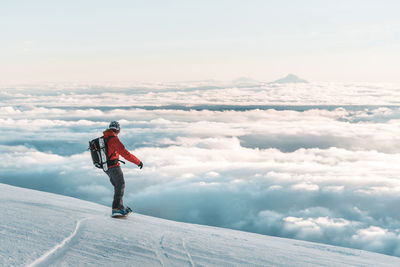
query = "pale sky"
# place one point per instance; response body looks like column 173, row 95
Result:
column 95, row 41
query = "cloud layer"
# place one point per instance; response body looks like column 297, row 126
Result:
column 201, row 93
column 322, row 174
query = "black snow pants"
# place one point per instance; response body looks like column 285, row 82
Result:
column 117, row 180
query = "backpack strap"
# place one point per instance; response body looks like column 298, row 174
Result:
column 114, row 161
column 108, row 138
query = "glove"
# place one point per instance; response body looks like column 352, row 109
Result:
column 140, row 165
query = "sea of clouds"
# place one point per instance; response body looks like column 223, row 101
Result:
column 317, row 161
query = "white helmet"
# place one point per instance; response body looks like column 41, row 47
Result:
column 114, row 125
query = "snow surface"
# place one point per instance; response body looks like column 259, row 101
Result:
column 44, row 229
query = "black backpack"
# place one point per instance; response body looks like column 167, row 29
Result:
column 98, row 150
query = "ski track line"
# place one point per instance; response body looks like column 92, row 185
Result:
column 57, row 247
column 187, row 252
column 160, row 252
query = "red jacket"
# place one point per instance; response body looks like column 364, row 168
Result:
column 116, row 148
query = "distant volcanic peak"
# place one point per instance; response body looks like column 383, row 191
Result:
column 290, row 78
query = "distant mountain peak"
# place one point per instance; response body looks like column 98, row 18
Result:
column 290, row 78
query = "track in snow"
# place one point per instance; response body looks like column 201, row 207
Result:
column 55, row 251
column 187, row 253
column 161, row 254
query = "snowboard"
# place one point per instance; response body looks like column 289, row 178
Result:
column 125, row 216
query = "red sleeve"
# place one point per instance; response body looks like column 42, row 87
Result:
column 125, row 153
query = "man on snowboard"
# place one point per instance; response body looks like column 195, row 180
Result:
column 114, row 149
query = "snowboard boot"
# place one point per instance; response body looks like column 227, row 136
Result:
column 128, row 210
column 119, row 212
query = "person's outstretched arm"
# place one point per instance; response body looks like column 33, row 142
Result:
column 125, row 153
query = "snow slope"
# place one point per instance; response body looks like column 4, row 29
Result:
column 43, row 229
